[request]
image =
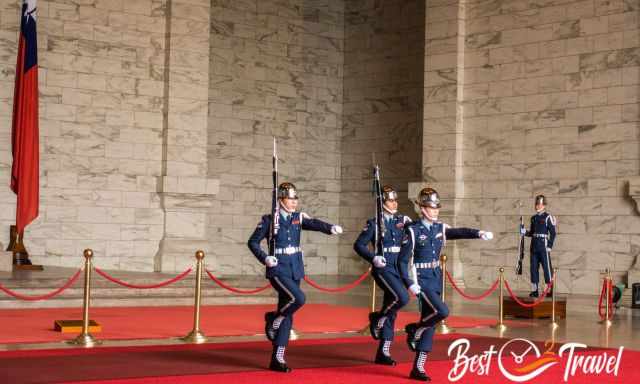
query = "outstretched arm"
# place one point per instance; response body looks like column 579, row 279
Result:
column 462, row 233
column 261, row 232
column 311, row 224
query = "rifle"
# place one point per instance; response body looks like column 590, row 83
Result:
column 379, row 219
column 520, row 249
column 275, row 206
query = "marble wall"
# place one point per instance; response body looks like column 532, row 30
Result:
column 276, row 70
column 383, row 99
column 101, row 99
column 156, row 126
column 157, row 120
column 546, row 101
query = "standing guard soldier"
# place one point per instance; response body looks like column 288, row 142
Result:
column 285, row 268
column 423, row 241
column 385, row 272
column 543, row 233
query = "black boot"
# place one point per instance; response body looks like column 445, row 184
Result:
column 373, row 325
column 411, row 329
column 277, row 366
column 383, row 359
column 277, row 360
column 271, row 333
column 533, row 294
column 417, row 375
column 383, row 356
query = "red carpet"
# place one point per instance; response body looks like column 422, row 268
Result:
column 345, row 360
column 375, row 374
column 36, row 325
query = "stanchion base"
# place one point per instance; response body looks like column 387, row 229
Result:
column 293, row 335
column 444, row 329
column 543, row 310
column 501, row 327
column 85, row 340
column 75, row 326
column 28, row 267
column 195, row 337
column 606, row 323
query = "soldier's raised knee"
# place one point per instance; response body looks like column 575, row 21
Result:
column 301, row 299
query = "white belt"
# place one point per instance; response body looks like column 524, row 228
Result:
column 391, row 249
column 287, row 251
column 540, row 235
column 433, row 264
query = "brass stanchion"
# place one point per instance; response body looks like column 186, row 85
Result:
column 554, row 323
column 196, row 336
column 86, row 339
column 500, row 326
column 442, row 327
column 607, row 278
column 365, row 331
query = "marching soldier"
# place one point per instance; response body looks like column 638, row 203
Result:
column 423, row 241
column 543, row 233
column 285, row 267
column 385, row 272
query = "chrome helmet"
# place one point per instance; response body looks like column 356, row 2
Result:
column 388, row 193
column 428, row 197
column 540, row 199
column 287, row 190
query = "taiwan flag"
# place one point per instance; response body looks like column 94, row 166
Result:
column 24, row 135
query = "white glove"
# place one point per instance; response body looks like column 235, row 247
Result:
column 486, row 235
column 523, row 231
column 548, row 249
column 336, row 230
column 415, row 289
column 271, row 261
column 379, row 261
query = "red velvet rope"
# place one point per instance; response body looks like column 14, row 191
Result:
column 533, row 304
column 344, row 288
column 236, row 290
column 469, row 297
column 128, row 285
column 610, row 299
column 46, row 296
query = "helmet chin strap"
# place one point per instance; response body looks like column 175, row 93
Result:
column 393, row 212
column 429, row 217
column 285, row 208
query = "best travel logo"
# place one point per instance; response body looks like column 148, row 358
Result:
column 520, row 360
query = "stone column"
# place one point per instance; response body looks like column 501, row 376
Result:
column 633, row 275
column 185, row 190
